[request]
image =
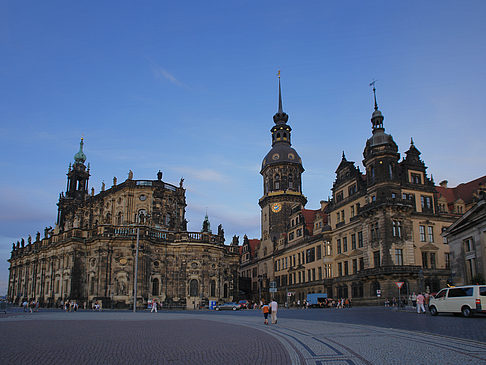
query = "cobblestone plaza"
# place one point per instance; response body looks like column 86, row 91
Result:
column 203, row 337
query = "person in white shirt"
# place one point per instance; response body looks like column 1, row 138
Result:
column 154, row 306
column 273, row 309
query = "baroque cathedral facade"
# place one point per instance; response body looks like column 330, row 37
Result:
column 91, row 254
column 381, row 227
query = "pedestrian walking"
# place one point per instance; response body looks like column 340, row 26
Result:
column 273, row 311
column 265, row 310
column 154, row 306
column 25, row 304
column 414, row 299
column 420, row 303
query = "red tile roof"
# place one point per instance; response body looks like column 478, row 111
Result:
column 309, row 217
column 254, row 244
column 464, row 191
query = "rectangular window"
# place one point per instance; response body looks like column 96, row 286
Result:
column 376, row 258
column 397, row 229
column 398, row 256
column 432, row 260
column 311, row 254
column 353, row 241
column 360, row 239
column 340, row 269
column 355, row 266
column 468, row 245
column 300, row 277
column 346, row 272
column 328, row 268
column 338, row 246
column 328, row 248
column 313, row 274
column 352, row 211
column 339, row 196
column 422, row 233
column 299, row 232
column 430, row 231
column 447, row 261
column 416, row 179
column 342, row 215
column 425, row 263
column 319, row 252
column 291, row 236
column 308, row 275
column 352, row 190
column 345, row 244
column 361, row 263
column 319, row 272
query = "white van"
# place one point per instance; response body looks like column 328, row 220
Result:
column 468, row 300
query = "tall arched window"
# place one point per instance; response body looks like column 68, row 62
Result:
column 212, row 288
column 193, row 288
column 225, row 290
column 277, row 182
column 119, row 218
column 155, row 287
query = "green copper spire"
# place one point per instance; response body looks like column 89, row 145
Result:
column 80, row 157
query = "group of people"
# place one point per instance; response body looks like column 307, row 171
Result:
column 70, row 306
column 270, row 308
column 420, row 301
column 30, row 306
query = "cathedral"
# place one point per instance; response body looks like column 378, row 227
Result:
column 382, row 226
column 129, row 238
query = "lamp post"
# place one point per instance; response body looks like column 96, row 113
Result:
column 140, row 220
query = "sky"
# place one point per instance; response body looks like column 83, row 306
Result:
column 190, row 88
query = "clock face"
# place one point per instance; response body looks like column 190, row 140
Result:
column 142, row 197
column 276, row 207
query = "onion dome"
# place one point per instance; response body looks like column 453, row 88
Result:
column 80, row 157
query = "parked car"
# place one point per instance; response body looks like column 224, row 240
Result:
column 228, row 306
column 468, row 300
column 244, row 304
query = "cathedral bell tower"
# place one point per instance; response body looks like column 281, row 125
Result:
column 77, row 185
column 282, row 185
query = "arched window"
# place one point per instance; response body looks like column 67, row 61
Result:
column 155, row 287
column 285, row 135
column 277, row 182
column 225, row 290
column 278, row 135
column 193, row 288
column 119, row 218
column 212, row 288
column 291, row 181
column 142, row 214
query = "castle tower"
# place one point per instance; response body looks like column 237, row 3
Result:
column 282, row 185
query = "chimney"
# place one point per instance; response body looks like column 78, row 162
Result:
column 443, row 183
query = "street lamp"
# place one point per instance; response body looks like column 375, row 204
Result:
column 141, row 217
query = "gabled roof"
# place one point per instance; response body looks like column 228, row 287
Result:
column 465, row 191
column 254, row 244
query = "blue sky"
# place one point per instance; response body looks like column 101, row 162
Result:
column 190, row 88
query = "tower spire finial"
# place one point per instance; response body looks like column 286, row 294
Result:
column 374, row 93
column 280, row 109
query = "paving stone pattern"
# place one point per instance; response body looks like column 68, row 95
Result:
column 180, row 341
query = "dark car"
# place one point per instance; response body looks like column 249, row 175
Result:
column 228, row 306
column 244, row 304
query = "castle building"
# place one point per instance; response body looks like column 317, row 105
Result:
column 381, row 226
column 91, row 254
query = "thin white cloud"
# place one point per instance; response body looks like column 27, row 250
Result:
column 162, row 73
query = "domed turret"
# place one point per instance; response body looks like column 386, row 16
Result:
column 80, row 157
